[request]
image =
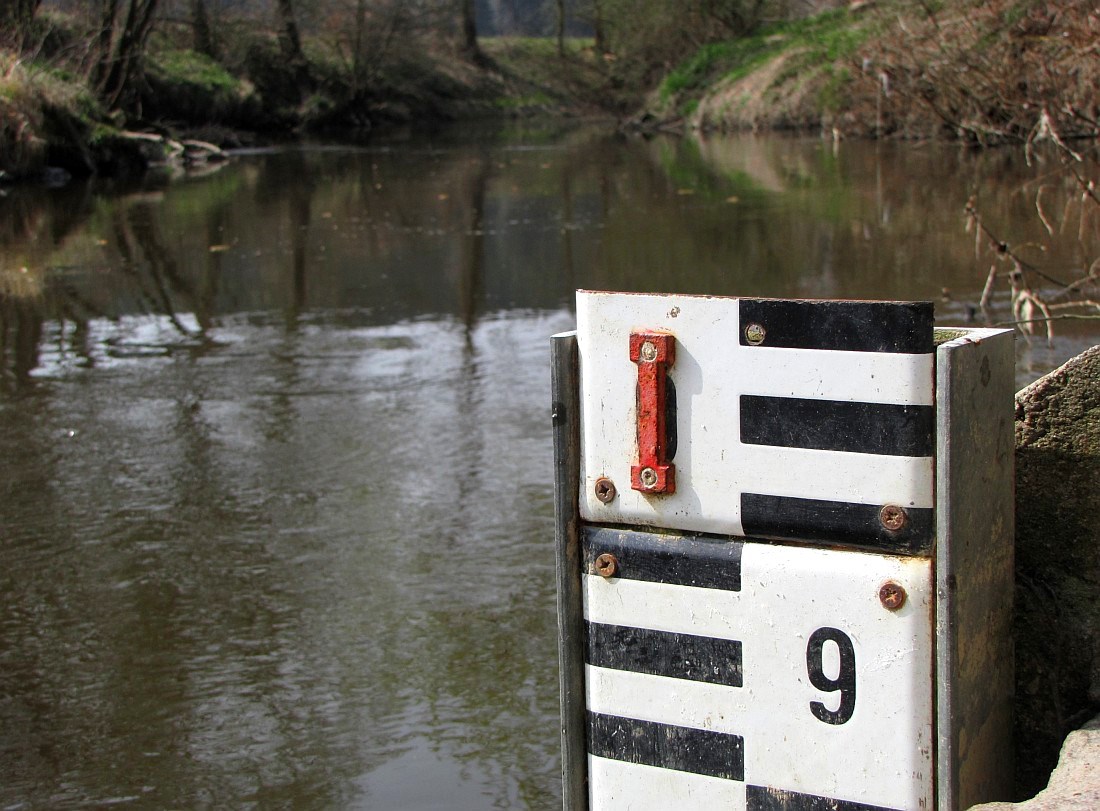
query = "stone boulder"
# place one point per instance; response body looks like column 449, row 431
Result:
column 1057, row 624
column 1075, row 784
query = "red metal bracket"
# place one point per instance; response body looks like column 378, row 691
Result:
column 654, row 352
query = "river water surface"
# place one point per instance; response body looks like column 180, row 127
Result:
column 276, row 516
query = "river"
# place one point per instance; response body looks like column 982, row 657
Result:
column 276, row 517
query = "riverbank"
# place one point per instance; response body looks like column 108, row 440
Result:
column 987, row 73
column 52, row 124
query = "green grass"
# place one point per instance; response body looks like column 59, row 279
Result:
column 833, row 92
column 42, row 85
column 818, row 40
column 541, row 47
column 194, row 68
column 716, row 59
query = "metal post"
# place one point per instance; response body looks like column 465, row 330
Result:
column 566, row 419
column 975, row 535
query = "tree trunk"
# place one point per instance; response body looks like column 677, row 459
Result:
column 102, row 43
column 290, row 44
column 467, row 43
column 561, row 27
column 358, row 45
column 17, row 17
column 202, row 35
column 122, row 65
column 599, row 29
column 290, row 41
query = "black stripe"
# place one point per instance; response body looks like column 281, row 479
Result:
column 759, row 798
column 663, row 653
column 853, row 326
column 834, row 523
column 699, row 751
column 832, row 425
column 704, row 561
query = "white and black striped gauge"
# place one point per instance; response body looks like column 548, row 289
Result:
column 768, row 546
column 789, row 419
column 725, row 674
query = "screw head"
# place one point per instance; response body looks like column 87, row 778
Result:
column 648, row 477
column 607, row 565
column 755, row 334
column 891, row 595
column 893, row 517
column 605, row 490
column 648, row 351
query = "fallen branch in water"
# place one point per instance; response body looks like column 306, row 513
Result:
column 186, row 151
column 1063, row 317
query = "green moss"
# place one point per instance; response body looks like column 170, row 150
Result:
column 101, row 134
column 942, row 336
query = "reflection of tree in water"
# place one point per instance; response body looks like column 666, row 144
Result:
column 494, row 694
column 34, row 293
column 469, row 287
column 20, row 336
column 153, row 268
column 490, row 695
column 32, row 223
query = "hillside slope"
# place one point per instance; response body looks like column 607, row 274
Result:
column 981, row 70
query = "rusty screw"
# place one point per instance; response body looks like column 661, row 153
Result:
column 605, row 489
column 649, row 351
column 648, row 477
column 891, row 595
column 754, row 334
column 607, row 565
column 893, row 517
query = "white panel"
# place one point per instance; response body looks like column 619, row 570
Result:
column 683, row 609
column 832, row 475
column 625, row 786
column 866, row 377
column 882, row 755
column 711, row 371
column 713, row 707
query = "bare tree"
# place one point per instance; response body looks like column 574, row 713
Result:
column 560, row 7
column 202, row 34
column 595, row 13
column 119, row 48
column 366, row 35
column 290, row 44
column 991, row 72
column 467, row 31
column 16, row 19
column 290, row 40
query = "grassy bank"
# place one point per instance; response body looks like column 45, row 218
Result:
column 785, row 75
column 980, row 71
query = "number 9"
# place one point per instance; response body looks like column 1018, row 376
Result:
column 845, row 681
